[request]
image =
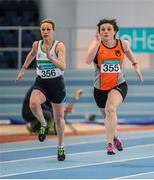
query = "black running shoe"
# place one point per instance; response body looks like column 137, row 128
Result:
column 42, row 133
column 61, row 154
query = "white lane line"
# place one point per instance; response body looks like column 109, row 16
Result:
column 88, row 138
column 51, row 146
column 134, row 175
column 78, row 166
column 87, row 152
column 71, row 144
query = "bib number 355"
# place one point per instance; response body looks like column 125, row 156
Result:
column 110, row 68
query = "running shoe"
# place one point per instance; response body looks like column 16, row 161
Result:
column 118, row 144
column 61, row 154
column 42, row 133
column 110, row 149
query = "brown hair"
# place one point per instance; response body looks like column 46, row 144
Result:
column 48, row 21
column 110, row 21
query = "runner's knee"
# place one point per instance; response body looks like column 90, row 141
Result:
column 110, row 110
column 33, row 104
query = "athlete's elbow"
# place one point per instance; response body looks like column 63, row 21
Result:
column 88, row 61
column 63, row 67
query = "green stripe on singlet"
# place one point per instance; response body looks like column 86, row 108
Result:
column 43, row 62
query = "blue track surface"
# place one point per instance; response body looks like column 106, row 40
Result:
column 86, row 158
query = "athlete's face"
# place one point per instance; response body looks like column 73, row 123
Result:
column 46, row 30
column 107, row 31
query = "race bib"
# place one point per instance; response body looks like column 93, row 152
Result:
column 49, row 73
column 46, row 73
column 110, row 66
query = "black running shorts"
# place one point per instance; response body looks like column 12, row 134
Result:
column 53, row 88
column 101, row 96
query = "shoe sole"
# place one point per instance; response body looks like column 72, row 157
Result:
column 120, row 149
column 110, row 153
column 41, row 139
column 61, row 158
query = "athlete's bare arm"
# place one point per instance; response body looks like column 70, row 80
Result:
column 93, row 48
column 60, row 50
column 130, row 55
column 31, row 55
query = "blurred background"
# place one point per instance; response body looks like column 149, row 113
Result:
column 75, row 26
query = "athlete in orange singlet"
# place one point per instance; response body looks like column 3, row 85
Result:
column 110, row 88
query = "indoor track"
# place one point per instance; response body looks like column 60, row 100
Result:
column 86, row 158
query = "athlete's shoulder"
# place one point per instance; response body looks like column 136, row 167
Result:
column 125, row 45
column 59, row 45
column 125, row 42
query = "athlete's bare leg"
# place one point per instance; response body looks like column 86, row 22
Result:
column 103, row 113
column 58, row 112
column 36, row 99
column 113, row 101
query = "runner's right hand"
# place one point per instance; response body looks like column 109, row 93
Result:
column 20, row 74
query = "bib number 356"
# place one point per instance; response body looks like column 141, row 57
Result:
column 48, row 73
